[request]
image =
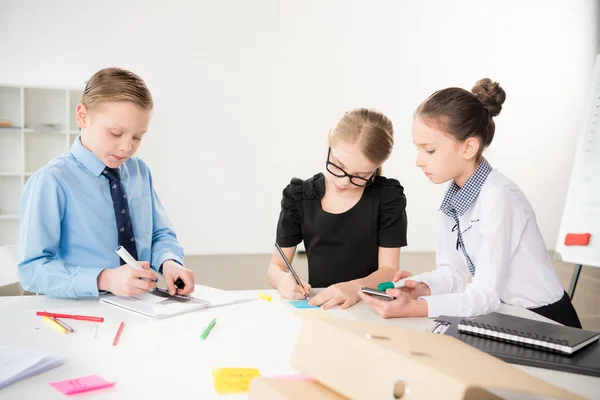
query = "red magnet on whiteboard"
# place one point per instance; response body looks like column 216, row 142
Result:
column 577, row 239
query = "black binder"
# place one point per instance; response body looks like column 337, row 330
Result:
column 528, row 332
column 585, row 361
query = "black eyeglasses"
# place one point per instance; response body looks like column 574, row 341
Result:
column 340, row 173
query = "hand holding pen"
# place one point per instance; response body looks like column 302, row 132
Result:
column 126, row 281
column 291, row 286
column 131, row 279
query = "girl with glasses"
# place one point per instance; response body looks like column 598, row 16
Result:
column 352, row 220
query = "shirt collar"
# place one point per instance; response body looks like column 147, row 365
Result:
column 459, row 199
column 86, row 157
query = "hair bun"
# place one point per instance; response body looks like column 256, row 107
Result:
column 490, row 94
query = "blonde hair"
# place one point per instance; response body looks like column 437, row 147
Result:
column 116, row 85
column 372, row 131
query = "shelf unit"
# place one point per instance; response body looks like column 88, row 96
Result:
column 42, row 126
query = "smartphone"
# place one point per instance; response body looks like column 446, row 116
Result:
column 381, row 294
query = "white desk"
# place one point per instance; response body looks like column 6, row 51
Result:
column 156, row 358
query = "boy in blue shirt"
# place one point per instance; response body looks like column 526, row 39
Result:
column 80, row 207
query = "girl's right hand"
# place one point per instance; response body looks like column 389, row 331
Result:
column 127, row 281
column 289, row 289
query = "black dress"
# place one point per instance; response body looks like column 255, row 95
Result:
column 342, row 247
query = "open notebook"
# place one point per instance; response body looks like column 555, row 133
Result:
column 159, row 304
column 18, row 363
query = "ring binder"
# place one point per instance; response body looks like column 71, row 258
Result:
column 541, row 335
column 585, row 361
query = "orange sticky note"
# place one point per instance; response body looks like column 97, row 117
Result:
column 577, row 239
column 233, row 380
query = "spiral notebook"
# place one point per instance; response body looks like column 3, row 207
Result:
column 585, row 361
column 527, row 332
column 158, row 303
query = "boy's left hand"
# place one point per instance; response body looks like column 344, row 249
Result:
column 402, row 306
column 171, row 272
column 343, row 294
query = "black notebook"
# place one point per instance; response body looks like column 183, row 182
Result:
column 527, row 332
column 586, row 361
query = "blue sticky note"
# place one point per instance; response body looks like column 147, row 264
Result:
column 302, row 304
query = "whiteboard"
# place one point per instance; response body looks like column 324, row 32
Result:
column 582, row 208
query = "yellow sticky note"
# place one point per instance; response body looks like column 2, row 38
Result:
column 233, row 380
column 313, row 313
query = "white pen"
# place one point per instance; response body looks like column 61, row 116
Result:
column 132, row 262
column 400, row 283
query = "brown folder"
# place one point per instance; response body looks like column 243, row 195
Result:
column 373, row 361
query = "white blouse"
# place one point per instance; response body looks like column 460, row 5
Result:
column 505, row 246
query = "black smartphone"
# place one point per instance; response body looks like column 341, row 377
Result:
column 381, row 294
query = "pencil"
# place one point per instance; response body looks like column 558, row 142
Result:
column 55, row 324
column 61, row 323
column 118, row 335
column 289, row 266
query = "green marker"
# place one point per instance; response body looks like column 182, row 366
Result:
column 208, row 329
column 400, row 283
column 385, row 286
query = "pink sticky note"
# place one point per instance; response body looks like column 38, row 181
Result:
column 296, row 377
column 81, row 385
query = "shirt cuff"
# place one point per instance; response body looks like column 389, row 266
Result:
column 164, row 256
column 436, row 306
column 437, row 284
column 86, row 282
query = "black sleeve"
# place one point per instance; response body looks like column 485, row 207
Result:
column 289, row 226
column 393, row 221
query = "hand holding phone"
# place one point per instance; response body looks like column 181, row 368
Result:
column 380, row 294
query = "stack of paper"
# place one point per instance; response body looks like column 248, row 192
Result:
column 17, row 364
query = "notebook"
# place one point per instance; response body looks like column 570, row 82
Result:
column 586, row 361
column 527, row 332
column 158, row 303
column 17, row 363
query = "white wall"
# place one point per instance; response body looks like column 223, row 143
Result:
column 246, row 91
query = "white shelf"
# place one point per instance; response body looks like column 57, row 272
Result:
column 43, row 127
column 12, row 129
column 10, row 195
column 44, row 131
column 10, row 153
column 10, row 105
column 45, row 106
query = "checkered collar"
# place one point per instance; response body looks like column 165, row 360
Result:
column 461, row 199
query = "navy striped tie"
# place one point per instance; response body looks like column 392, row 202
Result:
column 121, row 207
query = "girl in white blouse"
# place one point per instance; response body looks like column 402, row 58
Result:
column 487, row 227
